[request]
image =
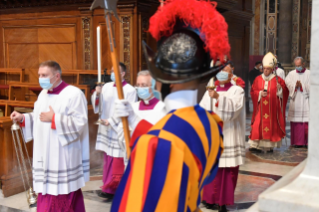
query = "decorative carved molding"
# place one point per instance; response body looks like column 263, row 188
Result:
column 86, row 26
column 126, row 27
column 295, row 29
column 271, row 26
column 85, row 10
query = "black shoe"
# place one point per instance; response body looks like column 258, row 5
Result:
column 298, row 146
column 306, row 146
column 254, row 150
column 222, row 208
column 33, row 205
column 270, row 151
column 212, row 206
column 106, row 195
column 208, row 206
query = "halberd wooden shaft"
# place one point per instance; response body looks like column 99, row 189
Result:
column 118, row 79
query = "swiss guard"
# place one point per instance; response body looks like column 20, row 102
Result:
column 172, row 160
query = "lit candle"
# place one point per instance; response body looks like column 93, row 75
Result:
column 98, row 33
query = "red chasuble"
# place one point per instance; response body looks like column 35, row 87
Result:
column 268, row 120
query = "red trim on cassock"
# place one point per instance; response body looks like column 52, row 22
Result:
column 142, row 128
column 97, row 101
column 301, row 88
column 23, row 123
column 53, row 127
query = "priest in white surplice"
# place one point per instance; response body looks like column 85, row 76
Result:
column 279, row 70
column 58, row 127
column 228, row 103
column 298, row 83
column 107, row 138
column 280, row 73
column 149, row 108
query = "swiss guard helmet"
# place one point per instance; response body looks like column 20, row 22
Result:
column 190, row 34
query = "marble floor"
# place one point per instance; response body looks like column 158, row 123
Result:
column 254, row 177
column 258, row 173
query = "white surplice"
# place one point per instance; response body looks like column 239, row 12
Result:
column 152, row 115
column 231, row 109
column 60, row 156
column 281, row 73
column 107, row 137
column 299, row 101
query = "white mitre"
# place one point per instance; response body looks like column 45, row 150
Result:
column 269, row 60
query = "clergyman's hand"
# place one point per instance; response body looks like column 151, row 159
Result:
column 297, row 84
column 213, row 94
column 98, row 89
column 47, row 116
column 16, row 117
column 105, row 122
column 278, row 86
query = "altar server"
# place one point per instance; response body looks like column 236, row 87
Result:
column 280, row 73
column 298, row 83
column 228, row 103
column 173, row 159
column 107, row 137
column 235, row 80
column 269, row 95
column 58, row 127
column 149, row 107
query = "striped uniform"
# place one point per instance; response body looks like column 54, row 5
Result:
column 171, row 162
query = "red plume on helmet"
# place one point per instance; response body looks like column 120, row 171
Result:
column 198, row 14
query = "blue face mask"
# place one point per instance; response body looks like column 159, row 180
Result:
column 143, row 93
column 113, row 76
column 222, row 76
column 299, row 68
column 45, row 83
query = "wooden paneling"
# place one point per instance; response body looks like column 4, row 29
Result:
column 64, row 54
column 56, row 34
column 22, row 56
column 26, row 47
column 20, row 35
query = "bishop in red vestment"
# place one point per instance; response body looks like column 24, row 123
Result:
column 269, row 94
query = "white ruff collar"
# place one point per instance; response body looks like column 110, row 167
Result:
column 180, row 99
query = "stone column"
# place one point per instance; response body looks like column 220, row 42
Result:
column 285, row 32
column 298, row 191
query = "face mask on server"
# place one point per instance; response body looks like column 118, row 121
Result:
column 299, row 68
column 143, row 92
column 45, row 83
